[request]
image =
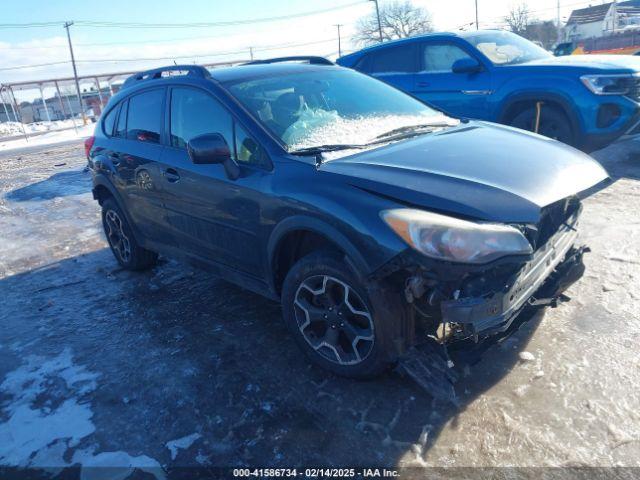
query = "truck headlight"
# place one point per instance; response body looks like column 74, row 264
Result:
column 451, row 239
column 611, row 84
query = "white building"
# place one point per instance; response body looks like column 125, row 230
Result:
column 604, row 19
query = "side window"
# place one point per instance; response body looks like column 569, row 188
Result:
column 440, row 58
column 144, row 118
column 121, row 128
column 193, row 113
column 110, row 120
column 248, row 151
column 394, row 60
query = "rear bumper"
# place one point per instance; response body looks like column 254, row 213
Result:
column 540, row 282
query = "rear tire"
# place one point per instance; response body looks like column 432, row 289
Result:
column 554, row 123
column 327, row 308
column 129, row 254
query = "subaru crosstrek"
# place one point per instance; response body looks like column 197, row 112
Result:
column 378, row 222
column 587, row 101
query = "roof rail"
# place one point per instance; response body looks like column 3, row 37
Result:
column 302, row 58
column 195, row 70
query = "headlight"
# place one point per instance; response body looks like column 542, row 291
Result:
column 610, row 84
column 447, row 238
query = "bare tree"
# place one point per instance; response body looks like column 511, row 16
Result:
column 519, row 18
column 544, row 32
column 398, row 20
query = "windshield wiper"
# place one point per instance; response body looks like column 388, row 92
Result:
column 326, row 148
column 413, row 129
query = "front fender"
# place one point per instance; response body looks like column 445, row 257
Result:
column 320, row 227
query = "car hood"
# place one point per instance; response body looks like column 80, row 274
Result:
column 627, row 63
column 478, row 170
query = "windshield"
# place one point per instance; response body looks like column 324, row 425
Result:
column 331, row 107
column 506, row 48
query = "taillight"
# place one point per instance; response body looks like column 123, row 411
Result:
column 88, row 145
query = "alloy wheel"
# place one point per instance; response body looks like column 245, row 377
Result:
column 116, row 236
column 334, row 320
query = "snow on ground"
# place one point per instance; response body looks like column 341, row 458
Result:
column 52, row 137
column 172, row 367
column 9, row 129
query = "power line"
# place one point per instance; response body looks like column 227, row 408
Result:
column 105, row 24
column 281, row 46
column 18, row 67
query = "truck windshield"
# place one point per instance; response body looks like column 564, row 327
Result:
column 332, row 107
column 506, row 48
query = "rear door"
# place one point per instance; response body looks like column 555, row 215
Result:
column 135, row 153
column 396, row 66
column 460, row 94
column 213, row 217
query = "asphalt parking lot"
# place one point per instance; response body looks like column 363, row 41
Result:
column 174, row 368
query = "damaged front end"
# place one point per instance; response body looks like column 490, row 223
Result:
column 454, row 302
column 450, row 303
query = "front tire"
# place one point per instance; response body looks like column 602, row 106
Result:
column 554, row 123
column 327, row 308
column 129, row 254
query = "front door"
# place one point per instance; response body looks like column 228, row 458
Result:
column 460, row 94
column 214, row 218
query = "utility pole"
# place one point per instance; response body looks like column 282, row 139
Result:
column 251, row 53
column 339, row 41
column 378, row 15
column 615, row 15
column 75, row 73
column 559, row 24
column 477, row 18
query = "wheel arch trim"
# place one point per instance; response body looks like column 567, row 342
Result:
column 313, row 225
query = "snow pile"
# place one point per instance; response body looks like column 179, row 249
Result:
column 10, row 129
column 49, row 138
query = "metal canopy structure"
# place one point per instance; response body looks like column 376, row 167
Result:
column 103, row 86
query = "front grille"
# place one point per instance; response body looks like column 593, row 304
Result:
column 553, row 216
column 634, row 92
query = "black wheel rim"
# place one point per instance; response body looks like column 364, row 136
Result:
column 116, row 237
column 334, row 320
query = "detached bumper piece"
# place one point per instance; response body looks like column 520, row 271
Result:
column 554, row 267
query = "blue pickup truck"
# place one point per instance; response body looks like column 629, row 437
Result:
column 587, row 101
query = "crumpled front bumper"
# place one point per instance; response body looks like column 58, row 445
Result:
column 553, row 268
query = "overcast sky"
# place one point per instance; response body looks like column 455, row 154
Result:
column 317, row 33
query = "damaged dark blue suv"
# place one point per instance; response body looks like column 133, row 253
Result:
column 378, row 222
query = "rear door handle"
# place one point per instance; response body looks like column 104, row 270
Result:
column 423, row 84
column 171, row 175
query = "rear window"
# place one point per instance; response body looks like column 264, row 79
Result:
column 394, row 60
column 144, row 119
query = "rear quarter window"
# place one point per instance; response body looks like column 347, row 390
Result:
column 110, row 121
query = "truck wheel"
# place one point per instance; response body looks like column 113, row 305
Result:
column 327, row 309
column 553, row 123
column 123, row 244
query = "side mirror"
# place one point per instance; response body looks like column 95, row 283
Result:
column 466, row 65
column 212, row 148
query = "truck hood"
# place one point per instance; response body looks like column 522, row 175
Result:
column 616, row 63
column 477, row 170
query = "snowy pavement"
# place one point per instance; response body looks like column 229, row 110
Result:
column 173, row 368
column 53, row 134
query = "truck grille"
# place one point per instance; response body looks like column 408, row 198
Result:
column 634, row 92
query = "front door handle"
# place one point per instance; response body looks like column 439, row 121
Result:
column 424, row 84
column 171, row 175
